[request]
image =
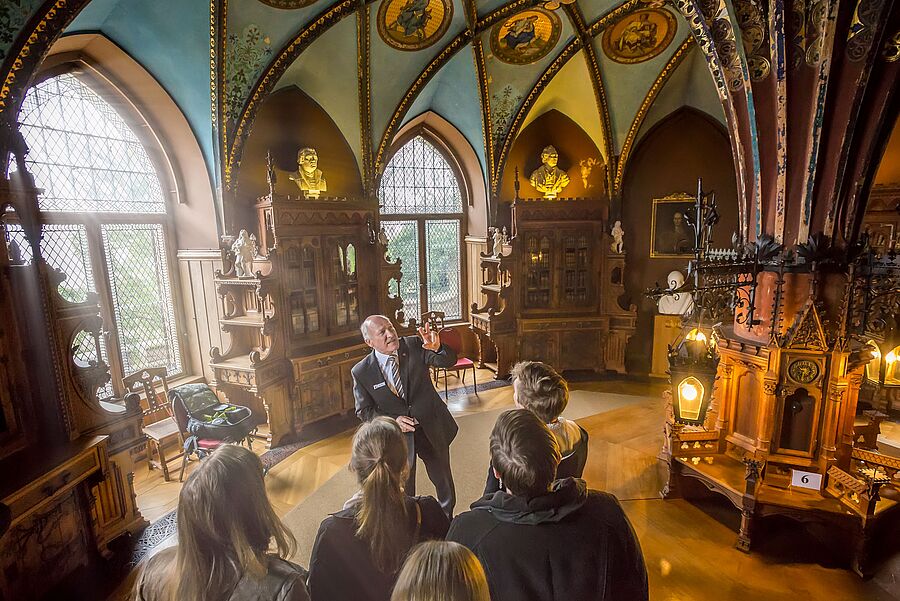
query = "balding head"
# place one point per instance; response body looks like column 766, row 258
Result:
column 379, row 333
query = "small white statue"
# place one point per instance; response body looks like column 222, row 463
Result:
column 497, row 237
column 505, row 235
column 382, row 237
column 678, row 303
column 618, row 234
column 244, row 249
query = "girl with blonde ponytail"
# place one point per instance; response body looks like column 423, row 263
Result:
column 360, row 549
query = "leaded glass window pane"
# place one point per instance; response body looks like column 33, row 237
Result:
column 418, row 179
column 443, row 268
column 139, row 282
column 403, row 242
column 83, row 154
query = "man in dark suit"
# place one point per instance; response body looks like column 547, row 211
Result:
column 393, row 380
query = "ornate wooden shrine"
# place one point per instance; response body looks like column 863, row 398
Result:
column 293, row 322
column 779, row 434
column 554, row 296
column 67, row 457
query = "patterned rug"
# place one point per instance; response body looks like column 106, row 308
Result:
column 166, row 527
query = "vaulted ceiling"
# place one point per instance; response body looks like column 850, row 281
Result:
column 488, row 67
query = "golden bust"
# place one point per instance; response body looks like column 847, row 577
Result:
column 549, row 179
column 309, row 177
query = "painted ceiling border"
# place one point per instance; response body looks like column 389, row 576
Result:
column 364, row 94
column 590, row 57
column 673, row 63
column 263, row 86
column 474, row 27
column 551, row 70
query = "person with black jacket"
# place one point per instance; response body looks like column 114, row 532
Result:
column 545, row 540
column 540, row 389
column 359, row 550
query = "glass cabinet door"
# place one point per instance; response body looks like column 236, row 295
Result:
column 538, row 269
column 576, row 268
column 301, row 259
column 343, row 284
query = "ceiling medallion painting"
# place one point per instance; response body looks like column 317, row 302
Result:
column 288, row 4
column 525, row 37
column 413, row 24
column 639, row 36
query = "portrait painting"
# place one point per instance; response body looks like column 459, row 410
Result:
column 413, row 24
column 670, row 233
column 639, row 36
column 525, row 37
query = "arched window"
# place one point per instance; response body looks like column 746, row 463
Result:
column 422, row 214
column 105, row 220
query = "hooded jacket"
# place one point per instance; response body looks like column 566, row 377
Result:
column 572, row 544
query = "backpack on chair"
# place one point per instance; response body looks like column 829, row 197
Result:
column 208, row 417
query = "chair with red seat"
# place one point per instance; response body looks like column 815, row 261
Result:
column 451, row 338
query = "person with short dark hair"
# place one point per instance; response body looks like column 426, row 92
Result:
column 541, row 389
column 543, row 539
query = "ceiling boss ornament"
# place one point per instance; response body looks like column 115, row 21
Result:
column 413, row 24
column 639, row 36
column 525, row 37
column 288, row 4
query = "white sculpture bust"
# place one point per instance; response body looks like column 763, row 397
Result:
column 679, row 303
column 497, row 237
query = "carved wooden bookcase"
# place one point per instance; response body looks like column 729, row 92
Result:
column 294, row 325
column 67, row 457
column 554, row 297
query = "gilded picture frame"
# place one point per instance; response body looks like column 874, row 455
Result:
column 413, row 24
column 639, row 36
column 526, row 37
column 670, row 235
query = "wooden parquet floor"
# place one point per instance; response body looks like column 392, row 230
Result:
column 688, row 546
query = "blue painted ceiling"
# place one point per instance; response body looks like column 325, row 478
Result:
column 170, row 38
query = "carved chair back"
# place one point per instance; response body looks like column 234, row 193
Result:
column 146, row 381
column 435, row 319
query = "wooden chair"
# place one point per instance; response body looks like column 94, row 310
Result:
column 435, row 319
column 451, row 338
column 158, row 423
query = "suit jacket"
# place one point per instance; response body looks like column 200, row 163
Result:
column 374, row 397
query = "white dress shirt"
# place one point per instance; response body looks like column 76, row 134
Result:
column 385, row 370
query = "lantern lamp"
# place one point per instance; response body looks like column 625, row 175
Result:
column 692, row 368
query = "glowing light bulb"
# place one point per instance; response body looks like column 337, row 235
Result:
column 696, row 334
column 689, row 392
column 891, row 357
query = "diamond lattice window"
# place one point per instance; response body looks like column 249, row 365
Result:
column 139, row 282
column 83, row 154
column 418, row 180
column 421, row 208
column 105, row 227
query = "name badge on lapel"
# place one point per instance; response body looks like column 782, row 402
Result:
column 377, row 386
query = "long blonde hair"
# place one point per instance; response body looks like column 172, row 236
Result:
column 226, row 525
column 379, row 460
column 441, row 571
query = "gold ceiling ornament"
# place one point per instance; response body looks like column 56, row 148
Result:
column 413, row 24
column 891, row 51
column 639, row 36
column 554, row 4
column 288, row 4
column 525, row 37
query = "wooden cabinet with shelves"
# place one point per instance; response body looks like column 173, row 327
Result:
column 566, row 309
column 319, row 274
